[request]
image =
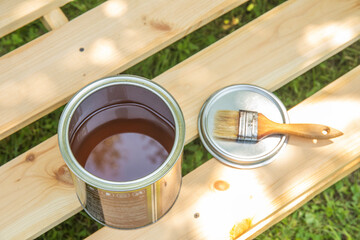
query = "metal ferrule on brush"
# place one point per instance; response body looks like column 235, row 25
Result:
column 248, row 126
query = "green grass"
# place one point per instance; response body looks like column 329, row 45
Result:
column 333, row 214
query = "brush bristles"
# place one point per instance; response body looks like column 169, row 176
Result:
column 226, row 124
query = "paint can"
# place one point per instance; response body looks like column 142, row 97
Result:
column 242, row 154
column 122, row 138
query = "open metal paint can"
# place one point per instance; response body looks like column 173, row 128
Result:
column 242, row 154
column 122, row 138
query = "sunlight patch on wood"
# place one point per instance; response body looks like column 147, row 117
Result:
column 103, row 52
column 331, row 112
column 333, row 33
column 115, row 8
column 37, row 85
column 231, row 196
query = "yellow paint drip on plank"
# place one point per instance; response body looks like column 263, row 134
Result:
column 239, row 228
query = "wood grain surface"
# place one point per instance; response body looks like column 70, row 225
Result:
column 270, row 51
column 265, row 195
column 35, row 218
column 42, row 75
column 17, row 13
column 54, row 19
column 36, row 193
column 282, row 50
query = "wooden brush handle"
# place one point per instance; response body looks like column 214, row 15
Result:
column 313, row 131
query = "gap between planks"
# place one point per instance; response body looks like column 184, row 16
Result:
column 267, row 194
column 15, row 14
column 183, row 71
column 45, row 73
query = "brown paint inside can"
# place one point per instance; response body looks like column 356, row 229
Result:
column 122, row 138
column 125, row 140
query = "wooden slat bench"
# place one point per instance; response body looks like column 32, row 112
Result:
column 36, row 189
column 17, row 13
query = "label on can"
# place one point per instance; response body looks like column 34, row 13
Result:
column 93, row 205
column 120, row 209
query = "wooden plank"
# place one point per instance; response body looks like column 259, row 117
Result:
column 263, row 195
column 290, row 207
column 275, row 48
column 38, row 218
column 54, row 19
column 112, row 37
column 213, row 72
column 37, row 181
column 17, row 13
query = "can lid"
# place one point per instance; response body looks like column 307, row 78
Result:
column 242, row 97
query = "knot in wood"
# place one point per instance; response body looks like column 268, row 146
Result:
column 160, row 25
column 63, row 175
column 30, row 157
column 221, row 185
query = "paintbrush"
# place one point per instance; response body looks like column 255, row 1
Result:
column 245, row 125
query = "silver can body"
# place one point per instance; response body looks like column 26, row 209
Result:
column 134, row 208
column 128, row 204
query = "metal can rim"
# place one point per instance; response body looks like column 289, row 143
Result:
column 80, row 172
column 223, row 157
